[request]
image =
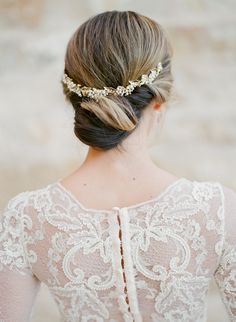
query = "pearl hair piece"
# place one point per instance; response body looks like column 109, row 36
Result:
column 96, row 93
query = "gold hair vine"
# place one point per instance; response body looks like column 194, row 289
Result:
column 120, row 90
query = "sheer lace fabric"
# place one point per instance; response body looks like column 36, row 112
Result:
column 152, row 261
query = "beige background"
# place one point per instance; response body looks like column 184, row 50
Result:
column 198, row 138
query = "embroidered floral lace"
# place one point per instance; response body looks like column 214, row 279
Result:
column 148, row 262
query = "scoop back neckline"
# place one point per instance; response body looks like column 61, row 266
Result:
column 132, row 206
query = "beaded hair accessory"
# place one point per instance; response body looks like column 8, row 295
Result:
column 96, row 93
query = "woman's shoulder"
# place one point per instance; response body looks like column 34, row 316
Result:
column 217, row 193
column 201, row 183
column 224, row 189
column 24, row 198
column 214, row 192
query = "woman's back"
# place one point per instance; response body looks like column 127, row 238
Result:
column 150, row 261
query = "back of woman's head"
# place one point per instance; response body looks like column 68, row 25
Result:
column 109, row 50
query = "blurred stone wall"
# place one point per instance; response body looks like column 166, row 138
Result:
column 37, row 144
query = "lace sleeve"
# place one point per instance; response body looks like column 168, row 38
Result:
column 18, row 285
column 225, row 274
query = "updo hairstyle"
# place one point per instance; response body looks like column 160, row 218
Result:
column 110, row 49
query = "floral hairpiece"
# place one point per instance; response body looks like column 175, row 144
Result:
column 96, row 93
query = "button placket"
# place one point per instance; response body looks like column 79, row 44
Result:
column 128, row 265
column 128, row 299
column 117, row 267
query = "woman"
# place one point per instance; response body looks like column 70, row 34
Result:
column 119, row 239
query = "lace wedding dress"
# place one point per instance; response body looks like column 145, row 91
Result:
column 151, row 261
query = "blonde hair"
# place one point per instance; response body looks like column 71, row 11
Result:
column 110, row 49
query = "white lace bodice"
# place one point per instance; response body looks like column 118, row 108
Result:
column 148, row 262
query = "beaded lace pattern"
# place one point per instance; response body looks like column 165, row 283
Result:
column 152, row 261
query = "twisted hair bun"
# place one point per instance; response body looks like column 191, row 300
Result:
column 108, row 50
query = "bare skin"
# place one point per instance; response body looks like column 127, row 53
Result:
column 121, row 178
